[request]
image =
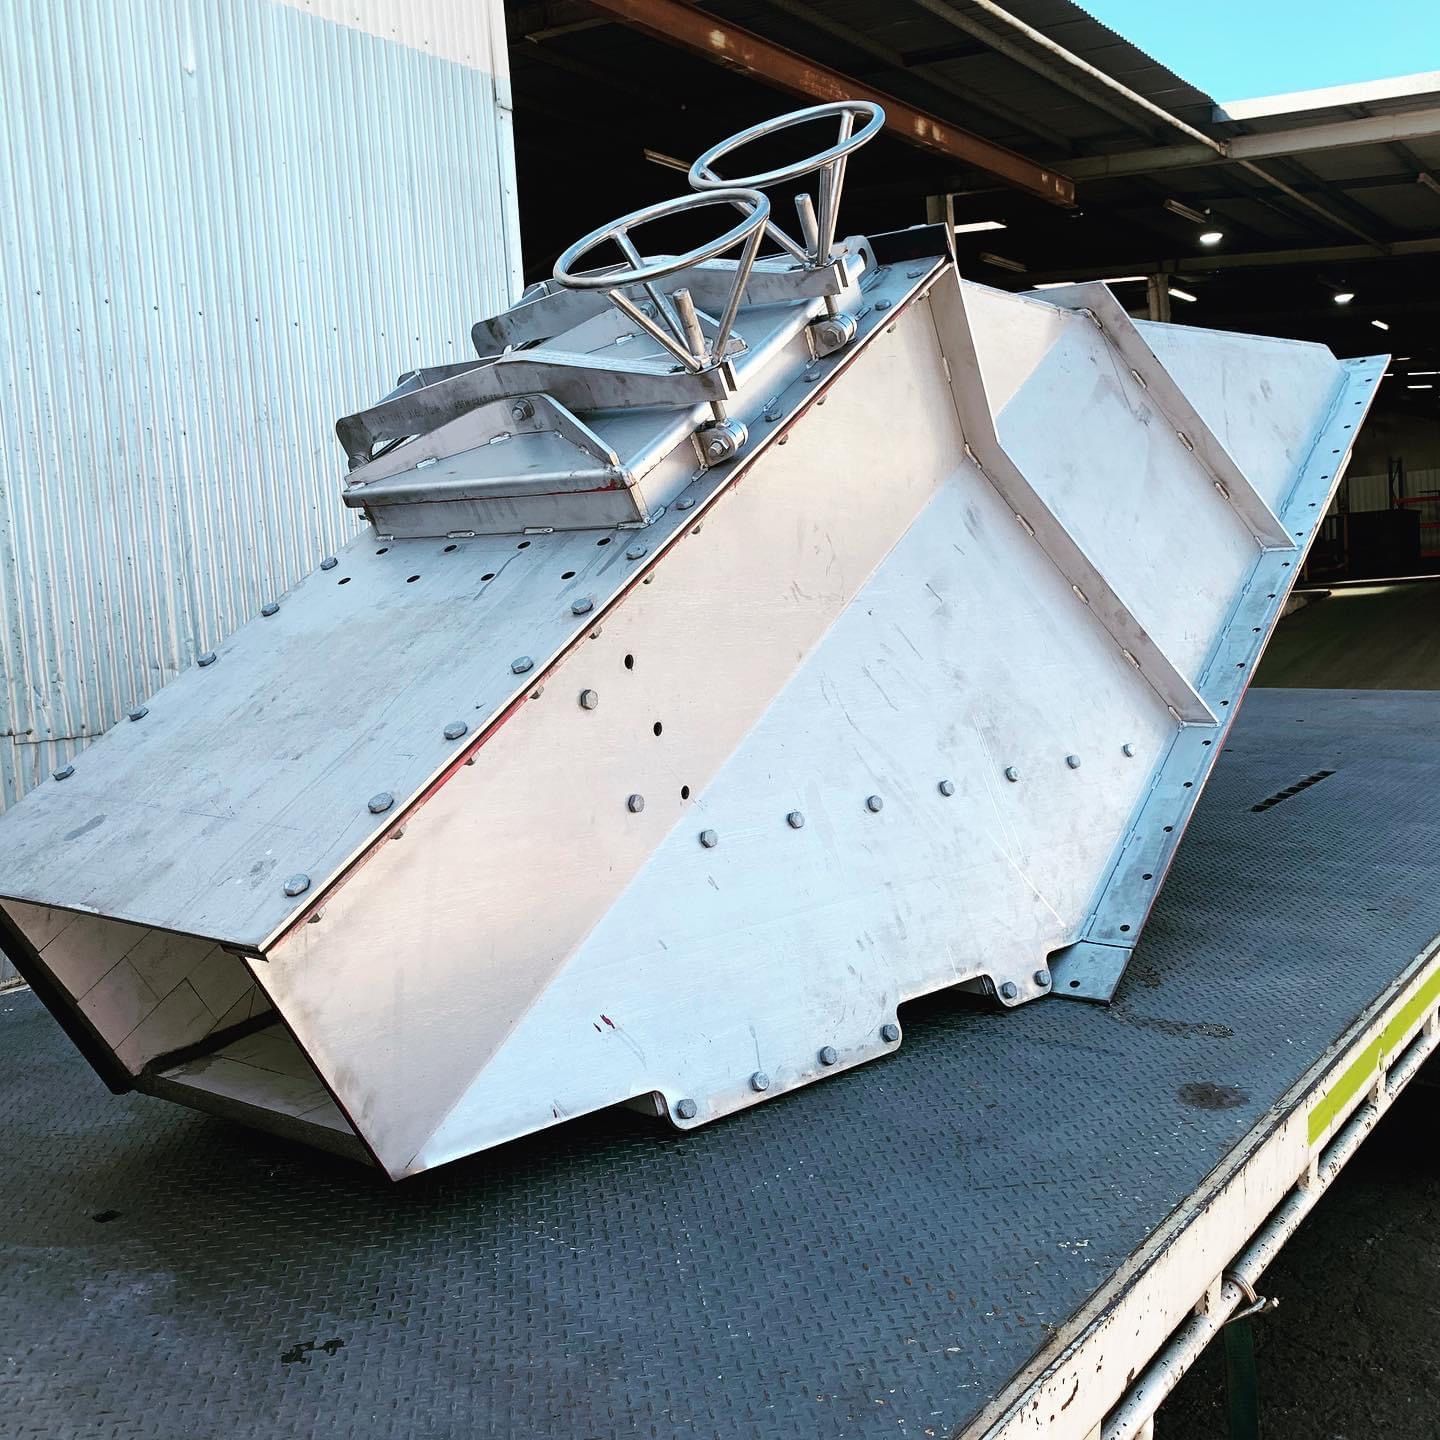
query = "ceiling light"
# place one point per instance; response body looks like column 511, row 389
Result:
column 1055, row 285
column 1212, row 237
column 1419, row 387
column 1344, row 297
column 1185, row 212
column 1425, row 372
column 973, row 227
column 1379, row 324
column 1181, row 294
column 1123, row 280
column 1001, row 262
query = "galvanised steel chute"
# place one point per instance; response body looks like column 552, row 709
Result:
column 742, row 646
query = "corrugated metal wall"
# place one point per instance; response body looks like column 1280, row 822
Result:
column 223, row 223
column 1372, row 492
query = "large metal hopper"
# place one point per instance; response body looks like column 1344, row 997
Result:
column 741, row 648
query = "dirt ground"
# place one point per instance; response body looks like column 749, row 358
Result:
column 1353, row 1351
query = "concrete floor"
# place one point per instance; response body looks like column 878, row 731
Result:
column 1353, row 1351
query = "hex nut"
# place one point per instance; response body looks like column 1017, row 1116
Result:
column 208, row 658
column 589, row 699
column 1009, row 990
column 795, row 820
column 522, row 410
column 759, row 1081
column 583, row 606
column 685, row 502
column 890, row 1033
column 297, row 885
column 635, row 804
column 521, row 665
column 139, row 712
column 270, row 608
column 829, row 1055
column 64, row 772
column 1012, row 774
column 874, row 804
column 709, row 839
column 1128, row 750
column 686, row 1109
column 379, row 804
column 946, row 787
column 1073, row 761
column 329, row 563
column 637, row 552
column 455, row 729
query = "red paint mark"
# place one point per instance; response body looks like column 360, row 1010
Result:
column 608, row 1021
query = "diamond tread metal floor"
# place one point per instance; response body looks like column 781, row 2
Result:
column 872, row 1256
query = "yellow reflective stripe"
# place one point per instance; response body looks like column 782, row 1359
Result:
column 1359, row 1073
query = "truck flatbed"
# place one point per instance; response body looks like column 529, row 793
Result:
column 1004, row 1229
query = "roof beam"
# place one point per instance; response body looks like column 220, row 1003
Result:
column 1340, row 135
column 1243, row 260
column 678, row 23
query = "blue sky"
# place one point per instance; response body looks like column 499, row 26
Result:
column 1236, row 49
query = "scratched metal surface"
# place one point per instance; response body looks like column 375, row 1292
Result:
column 870, row 1257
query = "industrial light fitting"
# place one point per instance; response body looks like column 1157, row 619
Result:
column 1176, row 294
column 1186, row 212
column 974, row 227
column 1344, row 297
column 1212, row 237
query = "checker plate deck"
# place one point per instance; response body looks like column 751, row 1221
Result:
column 870, row 1257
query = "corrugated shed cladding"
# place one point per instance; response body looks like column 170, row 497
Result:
column 223, row 226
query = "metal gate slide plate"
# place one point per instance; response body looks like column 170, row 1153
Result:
column 915, row 686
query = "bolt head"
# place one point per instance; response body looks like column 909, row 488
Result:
column 522, row 410
column 795, row 820
column 686, row 502
column 269, row 608
column 890, row 1033
column 329, row 563
column 773, row 414
column 64, row 772
column 589, row 699
column 582, row 606
column 379, row 804
column 883, row 304
column 716, row 448
column 1008, row 991
column 759, row 1081
column 829, row 1055
column 946, row 787
column 455, row 729
column 139, row 712
column 1073, row 761
column 208, row 658
column 521, row 664
column 874, row 804
column 1042, row 978
column 636, row 552
column 297, row 885
column 635, row 804
column 1128, row 750
column 709, row 839
column 686, row 1109
column 1012, row 774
